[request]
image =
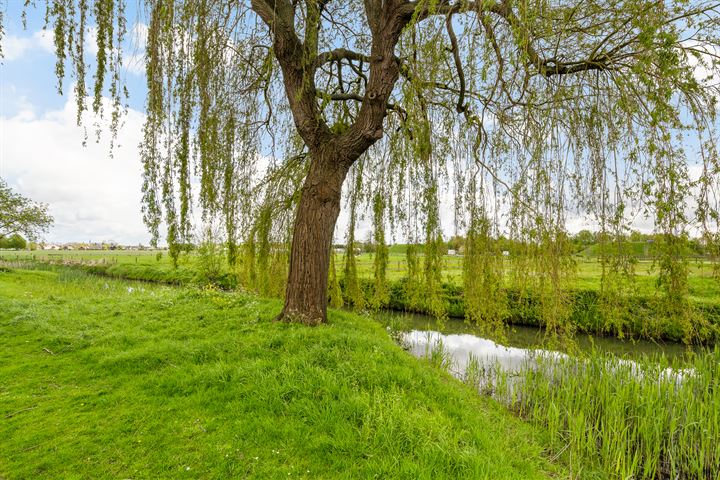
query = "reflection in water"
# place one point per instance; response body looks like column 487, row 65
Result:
column 524, row 338
column 489, row 362
column 651, row 417
column 465, row 351
column 462, row 348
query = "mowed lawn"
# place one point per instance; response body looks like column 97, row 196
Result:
column 111, row 379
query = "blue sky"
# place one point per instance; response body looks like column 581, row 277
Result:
column 92, row 196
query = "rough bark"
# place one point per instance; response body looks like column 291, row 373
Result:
column 306, row 294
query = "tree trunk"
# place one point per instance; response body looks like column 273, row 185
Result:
column 306, row 294
column 332, row 154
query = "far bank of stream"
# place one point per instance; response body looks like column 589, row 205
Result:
column 461, row 339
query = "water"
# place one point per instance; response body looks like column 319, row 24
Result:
column 629, row 410
column 462, row 341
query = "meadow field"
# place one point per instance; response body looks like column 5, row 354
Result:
column 104, row 378
column 703, row 285
column 640, row 313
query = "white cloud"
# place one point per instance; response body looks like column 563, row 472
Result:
column 134, row 63
column 704, row 59
column 44, row 40
column 134, row 55
column 139, row 35
column 91, row 40
column 15, row 47
column 92, row 196
column 12, row 101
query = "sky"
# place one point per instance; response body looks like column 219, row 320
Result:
column 92, row 195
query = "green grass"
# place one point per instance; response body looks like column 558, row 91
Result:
column 629, row 420
column 645, row 315
column 102, row 378
column 703, row 286
column 649, row 418
column 637, row 249
column 141, row 257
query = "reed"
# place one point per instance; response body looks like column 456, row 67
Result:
column 644, row 419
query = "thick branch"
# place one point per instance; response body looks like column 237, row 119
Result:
column 384, row 73
column 422, row 10
column 340, row 54
column 356, row 97
column 298, row 76
column 548, row 67
column 545, row 67
column 460, row 107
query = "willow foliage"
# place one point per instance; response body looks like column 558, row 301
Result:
column 601, row 108
column 483, row 276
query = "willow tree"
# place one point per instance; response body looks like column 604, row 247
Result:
column 523, row 109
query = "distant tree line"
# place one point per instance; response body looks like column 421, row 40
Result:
column 577, row 243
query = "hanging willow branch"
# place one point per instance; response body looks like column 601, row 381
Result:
column 554, row 106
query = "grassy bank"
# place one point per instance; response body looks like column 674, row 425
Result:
column 645, row 316
column 638, row 420
column 102, row 378
column 609, row 417
column 703, row 287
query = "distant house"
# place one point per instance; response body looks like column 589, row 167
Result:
column 506, row 253
column 452, row 252
column 51, row 246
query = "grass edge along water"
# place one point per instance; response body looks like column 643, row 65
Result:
column 642, row 419
column 644, row 316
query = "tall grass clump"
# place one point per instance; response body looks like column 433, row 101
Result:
column 641, row 420
column 439, row 355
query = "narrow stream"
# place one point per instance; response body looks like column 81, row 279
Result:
column 422, row 333
column 607, row 407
